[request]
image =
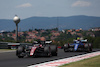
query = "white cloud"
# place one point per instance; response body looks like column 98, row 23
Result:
column 81, row 4
column 24, row 5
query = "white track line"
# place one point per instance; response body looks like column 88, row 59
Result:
column 60, row 62
column 7, row 51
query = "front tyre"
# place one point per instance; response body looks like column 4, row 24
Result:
column 65, row 47
column 20, row 52
column 65, row 50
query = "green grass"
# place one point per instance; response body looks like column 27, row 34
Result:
column 91, row 62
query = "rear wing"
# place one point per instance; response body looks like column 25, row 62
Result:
column 84, row 40
column 42, row 42
column 48, row 42
column 81, row 40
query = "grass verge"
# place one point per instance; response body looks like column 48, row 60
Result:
column 90, row 62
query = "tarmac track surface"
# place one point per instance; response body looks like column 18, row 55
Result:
column 9, row 59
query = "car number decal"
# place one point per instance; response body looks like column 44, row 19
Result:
column 75, row 47
column 32, row 51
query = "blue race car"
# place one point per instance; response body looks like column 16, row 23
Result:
column 78, row 45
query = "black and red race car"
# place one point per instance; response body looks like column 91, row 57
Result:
column 38, row 48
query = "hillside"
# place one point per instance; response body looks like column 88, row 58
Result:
column 75, row 22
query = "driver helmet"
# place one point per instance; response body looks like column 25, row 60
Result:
column 78, row 39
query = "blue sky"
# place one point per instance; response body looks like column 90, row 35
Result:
column 48, row 8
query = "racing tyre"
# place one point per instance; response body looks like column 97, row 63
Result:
column 20, row 52
column 47, row 50
column 66, row 48
column 54, row 50
column 88, row 48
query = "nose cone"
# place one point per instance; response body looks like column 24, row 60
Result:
column 16, row 19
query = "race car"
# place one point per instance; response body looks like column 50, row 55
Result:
column 38, row 48
column 78, row 45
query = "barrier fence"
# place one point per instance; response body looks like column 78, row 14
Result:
column 7, row 45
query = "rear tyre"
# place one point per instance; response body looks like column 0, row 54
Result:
column 87, row 48
column 54, row 50
column 47, row 50
column 90, row 46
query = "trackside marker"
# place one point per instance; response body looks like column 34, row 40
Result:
column 60, row 62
